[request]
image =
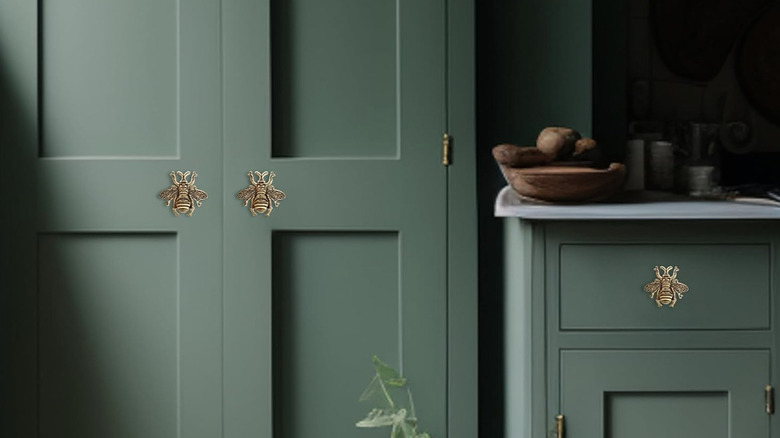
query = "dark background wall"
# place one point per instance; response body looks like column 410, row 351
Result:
column 577, row 63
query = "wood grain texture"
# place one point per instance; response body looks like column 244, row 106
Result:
column 565, row 183
column 517, row 156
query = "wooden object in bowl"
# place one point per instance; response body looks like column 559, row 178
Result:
column 515, row 156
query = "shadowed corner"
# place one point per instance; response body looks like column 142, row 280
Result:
column 53, row 374
column 18, row 307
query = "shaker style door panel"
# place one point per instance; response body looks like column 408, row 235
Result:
column 335, row 78
column 668, row 393
column 108, row 335
column 111, row 313
column 138, row 321
column 109, row 76
column 344, row 101
column 328, row 323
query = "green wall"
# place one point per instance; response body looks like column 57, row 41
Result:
column 534, row 69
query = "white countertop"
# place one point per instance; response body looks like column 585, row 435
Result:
column 638, row 206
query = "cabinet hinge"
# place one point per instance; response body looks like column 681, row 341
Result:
column 559, row 426
column 445, row 149
column 769, row 399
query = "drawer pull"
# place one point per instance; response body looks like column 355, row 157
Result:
column 261, row 196
column 182, row 193
column 666, row 288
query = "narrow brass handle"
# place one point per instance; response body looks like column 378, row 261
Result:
column 559, row 426
column 445, row 150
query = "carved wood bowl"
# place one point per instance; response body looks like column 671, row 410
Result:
column 565, row 184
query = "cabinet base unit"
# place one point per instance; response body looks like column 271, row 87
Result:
column 641, row 328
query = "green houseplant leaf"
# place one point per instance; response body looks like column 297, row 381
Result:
column 402, row 421
column 377, row 418
column 388, row 375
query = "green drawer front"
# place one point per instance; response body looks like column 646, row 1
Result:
column 602, row 286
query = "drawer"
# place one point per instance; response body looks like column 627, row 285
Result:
column 601, row 286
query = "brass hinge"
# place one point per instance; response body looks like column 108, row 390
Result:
column 445, row 149
column 559, row 426
column 769, row 399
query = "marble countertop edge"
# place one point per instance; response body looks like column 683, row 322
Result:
column 638, row 206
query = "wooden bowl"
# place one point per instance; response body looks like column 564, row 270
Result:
column 565, row 183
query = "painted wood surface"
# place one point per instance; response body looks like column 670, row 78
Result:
column 602, row 286
column 368, row 200
column 232, row 325
column 652, row 393
column 572, row 332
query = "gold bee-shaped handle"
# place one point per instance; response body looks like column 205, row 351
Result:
column 183, row 193
column 261, row 196
column 666, row 288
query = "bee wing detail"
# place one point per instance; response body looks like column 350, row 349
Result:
column 169, row 193
column 653, row 287
column 678, row 287
column 246, row 193
column 275, row 195
column 198, row 194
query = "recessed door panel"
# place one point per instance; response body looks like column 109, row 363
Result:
column 666, row 414
column 109, row 335
column 109, row 78
column 336, row 303
column 334, row 78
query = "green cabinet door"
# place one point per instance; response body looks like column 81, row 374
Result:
column 123, row 320
column 112, row 322
column 664, row 393
column 344, row 101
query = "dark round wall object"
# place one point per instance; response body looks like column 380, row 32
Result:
column 758, row 64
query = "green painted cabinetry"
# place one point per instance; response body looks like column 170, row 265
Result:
column 119, row 319
column 586, row 340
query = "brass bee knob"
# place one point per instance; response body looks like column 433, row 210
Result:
column 666, row 288
column 182, row 193
column 261, row 196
